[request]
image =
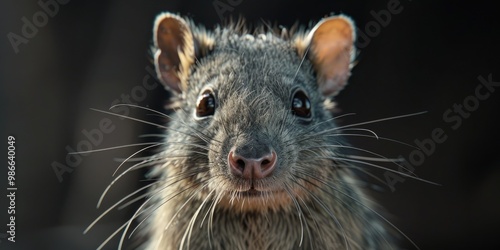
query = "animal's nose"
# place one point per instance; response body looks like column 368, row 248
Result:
column 252, row 168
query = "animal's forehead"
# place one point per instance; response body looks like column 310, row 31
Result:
column 252, row 64
column 255, row 62
column 256, row 74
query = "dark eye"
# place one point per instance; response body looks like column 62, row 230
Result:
column 205, row 105
column 301, row 106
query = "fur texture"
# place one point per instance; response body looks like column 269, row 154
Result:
column 311, row 201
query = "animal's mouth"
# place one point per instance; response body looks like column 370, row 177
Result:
column 252, row 192
column 256, row 199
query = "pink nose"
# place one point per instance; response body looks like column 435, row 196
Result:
column 250, row 168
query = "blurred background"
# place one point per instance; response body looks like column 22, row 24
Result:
column 59, row 59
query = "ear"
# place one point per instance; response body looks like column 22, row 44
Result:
column 331, row 51
column 175, row 51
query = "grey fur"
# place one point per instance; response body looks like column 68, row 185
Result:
column 311, row 201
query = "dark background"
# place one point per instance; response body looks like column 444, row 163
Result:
column 427, row 58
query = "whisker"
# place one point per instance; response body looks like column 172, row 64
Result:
column 366, row 158
column 134, row 167
column 112, row 235
column 134, row 216
column 111, row 148
column 146, row 122
column 380, row 120
column 202, row 136
column 352, row 166
column 211, row 219
column 304, row 135
column 135, row 153
column 140, row 107
column 365, row 151
column 314, row 220
column 99, row 202
column 190, row 226
column 185, row 203
column 171, row 181
column 383, row 168
column 327, row 210
column 369, row 208
column 135, row 159
column 341, row 116
column 301, row 62
column 127, row 223
column 206, row 214
column 378, row 138
column 153, row 136
column 325, row 182
column 132, row 118
column 160, row 205
column 335, row 196
column 210, row 211
column 361, row 129
column 114, row 206
column 299, row 211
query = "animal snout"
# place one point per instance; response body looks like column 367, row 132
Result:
column 252, row 167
